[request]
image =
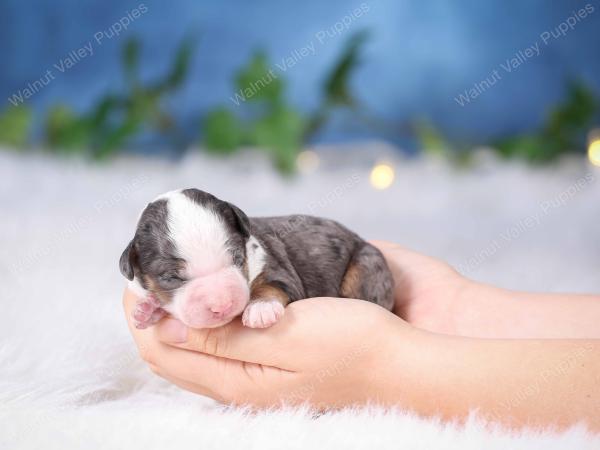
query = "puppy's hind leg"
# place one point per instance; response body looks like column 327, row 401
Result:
column 368, row 278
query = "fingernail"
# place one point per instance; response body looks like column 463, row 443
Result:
column 171, row 330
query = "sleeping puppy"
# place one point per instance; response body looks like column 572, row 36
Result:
column 203, row 261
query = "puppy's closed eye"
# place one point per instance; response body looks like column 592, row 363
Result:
column 170, row 280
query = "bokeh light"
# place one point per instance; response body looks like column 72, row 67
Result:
column 382, row 176
column 307, row 161
column 594, row 152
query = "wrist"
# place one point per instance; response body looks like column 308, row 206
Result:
column 467, row 307
column 453, row 307
column 481, row 311
column 410, row 375
column 425, row 370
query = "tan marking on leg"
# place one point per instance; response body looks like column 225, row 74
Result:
column 266, row 305
column 351, row 283
column 259, row 290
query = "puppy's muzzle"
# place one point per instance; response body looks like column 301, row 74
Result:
column 213, row 300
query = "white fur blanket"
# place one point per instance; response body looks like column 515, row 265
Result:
column 71, row 378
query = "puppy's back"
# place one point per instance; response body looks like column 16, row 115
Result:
column 322, row 258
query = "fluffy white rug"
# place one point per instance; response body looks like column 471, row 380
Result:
column 69, row 374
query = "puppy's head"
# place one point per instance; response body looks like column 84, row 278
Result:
column 190, row 250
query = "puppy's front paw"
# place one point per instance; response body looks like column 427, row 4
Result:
column 262, row 313
column 147, row 312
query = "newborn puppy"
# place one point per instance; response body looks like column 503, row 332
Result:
column 203, row 261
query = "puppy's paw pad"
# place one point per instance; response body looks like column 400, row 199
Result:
column 147, row 312
column 262, row 313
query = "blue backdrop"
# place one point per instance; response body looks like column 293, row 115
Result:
column 511, row 58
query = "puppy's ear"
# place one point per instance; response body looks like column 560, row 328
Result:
column 127, row 261
column 241, row 220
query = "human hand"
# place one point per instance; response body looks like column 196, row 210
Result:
column 338, row 352
column 428, row 292
column 327, row 352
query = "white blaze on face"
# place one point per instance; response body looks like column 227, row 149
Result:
column 199, row 235
column 215, row 290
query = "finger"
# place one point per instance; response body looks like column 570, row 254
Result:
column 398, row 256
column 266, row 346
column 395, row 253
column 129, row 300
column 226, row 380
column 266, row 399
column 144, row 338
column 381, row 245
column 187, row 385
column 400, row 262
column 395, row 256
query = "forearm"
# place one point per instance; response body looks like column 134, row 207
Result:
column 489, row 312
column 515, row 382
